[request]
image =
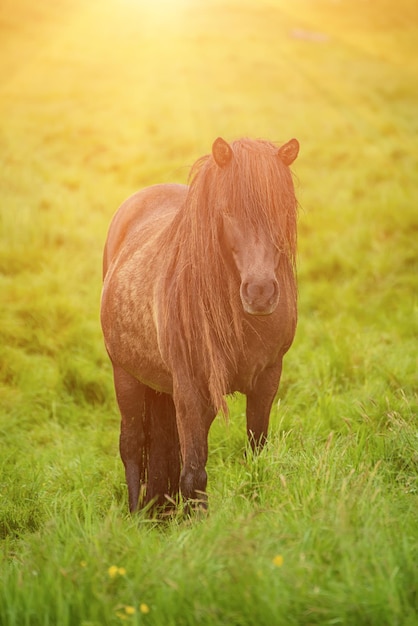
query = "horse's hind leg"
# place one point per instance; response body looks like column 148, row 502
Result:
column 163, row 471
column 130, row 395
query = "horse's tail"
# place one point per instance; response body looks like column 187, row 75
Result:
column 162, row 454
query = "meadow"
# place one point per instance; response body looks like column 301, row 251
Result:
column 99, row 99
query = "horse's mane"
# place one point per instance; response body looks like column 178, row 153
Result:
column 201, row 321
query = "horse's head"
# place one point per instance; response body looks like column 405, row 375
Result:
column 250, row 245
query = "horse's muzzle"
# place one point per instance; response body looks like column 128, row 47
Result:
column 260, row 297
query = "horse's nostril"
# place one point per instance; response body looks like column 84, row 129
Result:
column 248, row 291
column 274, row 296
column 253, row 291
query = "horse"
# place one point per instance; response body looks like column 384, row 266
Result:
column 199, row 301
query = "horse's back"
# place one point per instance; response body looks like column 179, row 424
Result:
column 148, row 204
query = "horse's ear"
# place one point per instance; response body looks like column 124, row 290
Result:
column 289, row 151
column 222, row 152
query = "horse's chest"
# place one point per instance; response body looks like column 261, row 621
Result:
column 251, row 364
column 267, row 340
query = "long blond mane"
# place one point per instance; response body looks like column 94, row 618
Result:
column 201, row 321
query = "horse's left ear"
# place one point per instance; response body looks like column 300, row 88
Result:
column 222, row 152
column 289, row 151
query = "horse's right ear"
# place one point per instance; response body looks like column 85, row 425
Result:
column 289, row 151
column 221, row 152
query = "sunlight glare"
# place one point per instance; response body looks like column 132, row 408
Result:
column 162, row 9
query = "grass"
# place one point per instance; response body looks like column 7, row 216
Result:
column 99, row 99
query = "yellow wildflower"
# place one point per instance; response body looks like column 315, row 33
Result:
column 113, row 571
column 144, row 608
column 129, row 610
column 278, row 560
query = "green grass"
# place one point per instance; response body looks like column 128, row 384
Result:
column 98, row 99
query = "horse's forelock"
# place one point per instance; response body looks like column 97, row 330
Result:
column 255, row 187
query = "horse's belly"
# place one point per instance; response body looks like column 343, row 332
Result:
column 130, row 328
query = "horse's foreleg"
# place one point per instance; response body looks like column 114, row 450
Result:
column 259, row 402
column 193, row 423
column 132, row 443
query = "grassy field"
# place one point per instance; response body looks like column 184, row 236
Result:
column 98, row 99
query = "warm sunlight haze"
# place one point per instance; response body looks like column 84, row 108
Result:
column 102, row 98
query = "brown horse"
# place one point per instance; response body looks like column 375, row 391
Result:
column 199, row 301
